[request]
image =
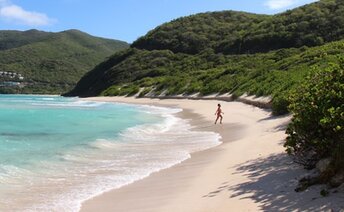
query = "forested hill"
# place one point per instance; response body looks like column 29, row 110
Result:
column 238, row 32
column 208, row 53
column 49, row 62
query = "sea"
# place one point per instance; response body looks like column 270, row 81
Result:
column 57, row 152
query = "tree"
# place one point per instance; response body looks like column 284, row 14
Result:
column 317, row 127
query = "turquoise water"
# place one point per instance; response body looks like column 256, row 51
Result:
column 39, row 128
column 57, row 152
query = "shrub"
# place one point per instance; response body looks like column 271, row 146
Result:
column 193, row 87
column 316, row 130
column 128, row 90
column 280, row 105
column 133, row 90
column 144, row 92
column 145, row 82
column 111, row 91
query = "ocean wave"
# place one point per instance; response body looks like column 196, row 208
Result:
column 104, row 144
column 78, row 104
column 48, row 101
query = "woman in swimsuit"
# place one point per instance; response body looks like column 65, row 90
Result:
column 218, row 113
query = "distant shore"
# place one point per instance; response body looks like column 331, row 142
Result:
column 248, row 172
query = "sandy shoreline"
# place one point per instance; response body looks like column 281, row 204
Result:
column 248, row 172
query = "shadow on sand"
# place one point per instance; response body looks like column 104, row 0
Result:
column 271, row 184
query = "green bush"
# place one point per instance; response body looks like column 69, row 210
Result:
column 133, row 90
column 144, row 92
column 317, row 127
column 280, row 105
column 111, row 91
column 128, row 90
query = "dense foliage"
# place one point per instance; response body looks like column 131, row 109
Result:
column 51, row 62
column 317, row 127
column 12, row 39
column 233, row 32
column 262, row 74
column 190, row 55
column 195, row 33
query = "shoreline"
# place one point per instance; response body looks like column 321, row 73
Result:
column 228, row 177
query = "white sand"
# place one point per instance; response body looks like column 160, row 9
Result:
column 248, row 172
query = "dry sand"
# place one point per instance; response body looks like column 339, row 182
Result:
column 248, row 172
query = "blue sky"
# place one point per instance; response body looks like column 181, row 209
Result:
column 120, row 19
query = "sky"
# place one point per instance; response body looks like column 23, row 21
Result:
column 120, row 19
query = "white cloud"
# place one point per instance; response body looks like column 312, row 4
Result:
column 279, row 4
column 15, row 14
column 283, row 4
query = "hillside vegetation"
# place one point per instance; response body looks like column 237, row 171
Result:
column 51, row 62
column 260, row 74
column 201, row 53
column 233, row 32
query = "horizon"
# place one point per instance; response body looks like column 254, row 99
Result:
column 115, row 20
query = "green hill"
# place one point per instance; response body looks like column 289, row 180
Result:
column 50, row 62
column 202, row 53
column 257, row 74
column 233, row 32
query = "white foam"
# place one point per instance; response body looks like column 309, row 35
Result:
column 48, row 99
column 78, row 104
column 104, row 144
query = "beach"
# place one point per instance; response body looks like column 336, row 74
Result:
column 249, row 171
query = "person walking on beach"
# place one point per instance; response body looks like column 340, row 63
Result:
column 218, row 114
